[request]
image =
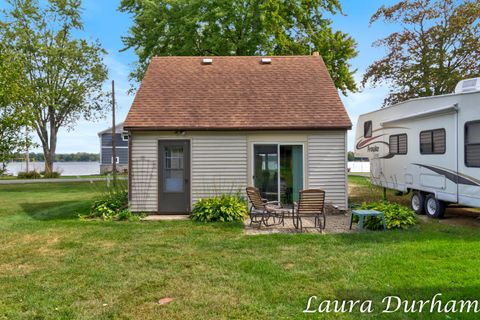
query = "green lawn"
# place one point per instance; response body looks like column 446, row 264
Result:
column 361, row 190
column 53, row 266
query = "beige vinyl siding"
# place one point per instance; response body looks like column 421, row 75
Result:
column 327, row 165
column 219, row 165
column 220, row 162
column 144, row 175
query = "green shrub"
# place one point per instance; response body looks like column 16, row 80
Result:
column 112, row 203
column 396, row 216
column 127, row 215
column 51, row 175
column 108, row 205
column 28, row 175
column 222, row 208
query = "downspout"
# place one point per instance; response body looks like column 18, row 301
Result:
column 129, row 159
column 456, row 151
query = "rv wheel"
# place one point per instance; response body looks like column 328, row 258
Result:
column 418, row 202
column 433, row 207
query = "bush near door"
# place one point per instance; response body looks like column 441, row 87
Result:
column 222, row 208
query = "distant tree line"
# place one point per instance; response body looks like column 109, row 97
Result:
column 68, row 157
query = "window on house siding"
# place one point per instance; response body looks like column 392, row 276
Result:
column 433, row 141
column 367, row 129
column 398, row 144
column 472, row 144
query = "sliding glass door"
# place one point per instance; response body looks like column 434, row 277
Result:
column 278, row 171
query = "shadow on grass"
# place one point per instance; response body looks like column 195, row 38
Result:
column 60, row 210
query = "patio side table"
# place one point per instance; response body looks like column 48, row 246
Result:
column 361, row 214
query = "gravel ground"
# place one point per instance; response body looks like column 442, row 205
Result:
column 336, row 223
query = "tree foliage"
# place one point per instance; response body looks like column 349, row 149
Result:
column 62, row 75
column 438, row 46
column 11, row 119
column 11, row 138
column 239, row 27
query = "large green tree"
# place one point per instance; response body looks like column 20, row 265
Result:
column 62, row 74
column 11, row 119
column 239, row 27
column 437, row 46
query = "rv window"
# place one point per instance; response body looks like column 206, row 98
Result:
column 367, row 129
column 433, row 141
column 472, row 144
column 398, row 144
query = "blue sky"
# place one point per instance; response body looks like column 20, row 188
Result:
column 103, row 21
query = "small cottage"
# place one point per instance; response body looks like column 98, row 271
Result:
column 199, row 127
column 121, row 149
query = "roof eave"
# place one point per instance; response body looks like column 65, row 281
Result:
column 157, row 128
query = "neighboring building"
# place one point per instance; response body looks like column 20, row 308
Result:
column 203, row 126
column 121, row 148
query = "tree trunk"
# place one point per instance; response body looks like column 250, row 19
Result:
column 48, row 161
column 49, row 145
column 53, row 144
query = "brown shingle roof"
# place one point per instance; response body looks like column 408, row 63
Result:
column 237, row 93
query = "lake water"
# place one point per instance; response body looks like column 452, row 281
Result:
column 89, row 168
column 66, row 168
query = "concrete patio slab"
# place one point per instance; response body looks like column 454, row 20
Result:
column 338, row 223
column 166, row 217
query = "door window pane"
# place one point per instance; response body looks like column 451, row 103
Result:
column 266, row 170
column 291, row 173
column 173, row 171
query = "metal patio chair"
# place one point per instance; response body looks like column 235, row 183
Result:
column 311, row 204
column 262, row 210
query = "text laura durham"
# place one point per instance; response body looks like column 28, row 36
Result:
column 392, row 304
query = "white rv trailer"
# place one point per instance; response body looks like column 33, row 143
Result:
column 427, row 146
